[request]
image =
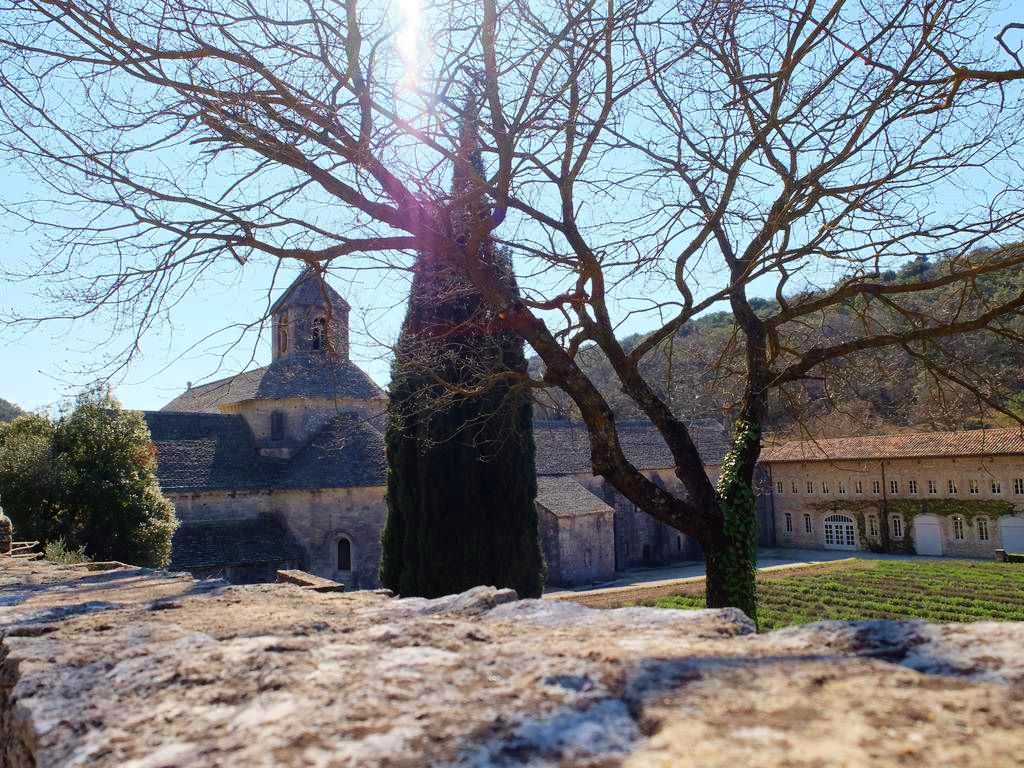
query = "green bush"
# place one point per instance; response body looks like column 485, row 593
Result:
column 57, row 551
column 89, row 479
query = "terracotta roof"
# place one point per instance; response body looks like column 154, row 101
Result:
column 977, row 442
column 565, row 497
column 300, row 375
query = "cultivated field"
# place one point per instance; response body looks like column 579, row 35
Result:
column 941, row 591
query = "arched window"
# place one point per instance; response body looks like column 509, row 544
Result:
column 282, row 334
column 277, row 425
column 344, row 554
column 319, row 324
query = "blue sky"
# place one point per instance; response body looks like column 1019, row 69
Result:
column 43, row 365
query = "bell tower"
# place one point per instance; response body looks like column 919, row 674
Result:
column 310, row 318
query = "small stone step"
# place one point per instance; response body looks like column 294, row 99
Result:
column 309, row 581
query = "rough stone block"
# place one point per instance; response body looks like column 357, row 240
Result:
column 140, row 668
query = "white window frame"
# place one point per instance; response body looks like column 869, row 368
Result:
column 858, row 487
column 997, row 487
column 842, row 488
column 896, row 523
column 984, row 534
column 951, row 488
column 912, row 487
column 958, row 527
column 933, row 487
column 825, row 488
column 894, row 487
column 1018, row 486
column 789, row 522
column 778, row 487
column 973, row 487
column 876, row 487
column 810, row 487
column 808, row 524
column 873, row 526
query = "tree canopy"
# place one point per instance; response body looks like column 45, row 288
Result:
column 87, row 478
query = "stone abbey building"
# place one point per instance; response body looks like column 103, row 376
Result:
column 283, row 466
column 934, row 493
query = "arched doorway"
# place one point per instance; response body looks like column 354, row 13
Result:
column 840, row 532
column 344, row 561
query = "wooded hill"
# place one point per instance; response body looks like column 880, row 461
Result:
column 9, row 411
column 898, row 389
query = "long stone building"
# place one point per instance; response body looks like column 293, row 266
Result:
column 283, row 466
column 936, row 493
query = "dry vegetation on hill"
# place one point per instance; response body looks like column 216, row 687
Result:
column 890, row 390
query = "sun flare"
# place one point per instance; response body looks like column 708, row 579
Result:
column 407, row 41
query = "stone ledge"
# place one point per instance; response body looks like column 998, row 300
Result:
column 309, row 581
column 145, row 669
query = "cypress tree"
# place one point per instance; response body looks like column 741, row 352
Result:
column 461, row 476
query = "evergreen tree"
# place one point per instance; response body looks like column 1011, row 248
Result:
column 90, row 479
column 461, row 478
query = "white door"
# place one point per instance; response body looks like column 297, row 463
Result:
column 1012, row 532
column 927, row 535
column 840, row 532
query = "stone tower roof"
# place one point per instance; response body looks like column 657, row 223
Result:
column 308, row 290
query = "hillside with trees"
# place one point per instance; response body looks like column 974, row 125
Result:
column 9, row 411
column 891, row 390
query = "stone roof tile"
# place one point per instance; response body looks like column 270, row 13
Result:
column 563, row 448
column 206, row 452
column 308, row 290
column 310, row 375
column 565, row 497
column 223, row 543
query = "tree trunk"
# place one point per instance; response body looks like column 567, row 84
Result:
column 730, row 552
column 730, row 563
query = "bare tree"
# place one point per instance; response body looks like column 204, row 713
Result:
column 646, row 161
column 995, row 74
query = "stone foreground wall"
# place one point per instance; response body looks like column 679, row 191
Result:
column 135, row 668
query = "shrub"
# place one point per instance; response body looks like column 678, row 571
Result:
column 57, row 551
column 89, row 479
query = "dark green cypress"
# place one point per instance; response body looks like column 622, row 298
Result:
column 461, row 476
